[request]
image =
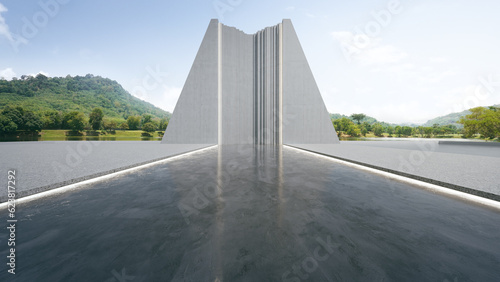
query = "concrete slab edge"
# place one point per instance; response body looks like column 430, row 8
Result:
column 470, row 143
column 455, row 187
column 33, row 191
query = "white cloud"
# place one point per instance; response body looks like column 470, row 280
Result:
column 40, row 72
column 403, row 112
column 438, row 60
column 382, row 54
column 7, row 73
column 394, row 68
column 169, row 97
column 4, row 28
column 367, row 50
column 164, row 97
column 343, row 36
column 309, row 15
column 437, row 77
column 290, row 8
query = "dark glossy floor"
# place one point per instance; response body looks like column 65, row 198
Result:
column 242, row 213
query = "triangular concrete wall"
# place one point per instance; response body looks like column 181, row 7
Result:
column 305, row 117
column 195, row 117
column 250, row 89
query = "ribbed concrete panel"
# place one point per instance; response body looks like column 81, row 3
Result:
column 250, row 89
column 194, row 120
column 305, row 118
column 266, row 85
column 237, row 86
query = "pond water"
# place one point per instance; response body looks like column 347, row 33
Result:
column 78, row 138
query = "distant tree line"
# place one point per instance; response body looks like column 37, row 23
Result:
column 357, row 126
column 14, row 120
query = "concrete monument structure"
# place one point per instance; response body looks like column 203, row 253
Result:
column 250, row 89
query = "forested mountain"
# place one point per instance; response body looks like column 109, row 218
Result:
column 452, row 118
column 41, row 94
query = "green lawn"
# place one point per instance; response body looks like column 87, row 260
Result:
column 118, row 135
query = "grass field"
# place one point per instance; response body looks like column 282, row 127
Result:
column 54, row 135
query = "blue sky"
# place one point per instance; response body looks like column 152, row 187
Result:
column 396, row 60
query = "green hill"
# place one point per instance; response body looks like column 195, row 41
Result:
column 452, row 118
column 80, row 93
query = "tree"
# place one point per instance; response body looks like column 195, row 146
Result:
column 124, row 126
column 95, row 118
column 378, row 129
column 109, row 125
column 133, row 122
column 74, row 120
column 7, row 126
column 390, row 130
column 52, row 120
column 364, row 131
column 420, row 130
column 353, row 130
column 146, row 118
column 342, row 124
column 32, row 122
column 485, row 121
column 428, row 131
column 406, row 130
column 148, row 127
column 367, row 125
column 14, row 114
column 163, row 124
column 78, row 122
column 358, row 117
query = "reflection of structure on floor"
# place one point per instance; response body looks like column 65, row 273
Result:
column 250, row 89
column 254, row 213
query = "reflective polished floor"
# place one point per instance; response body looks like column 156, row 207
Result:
column 254, row 213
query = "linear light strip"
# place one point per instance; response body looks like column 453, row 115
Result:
column 280, row 85
column 219, row 83
column 73, row 186
column 428, row 186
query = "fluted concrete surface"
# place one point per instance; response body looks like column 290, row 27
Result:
column 305, row 118
column 195, row 116
column 250, row 89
